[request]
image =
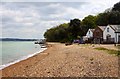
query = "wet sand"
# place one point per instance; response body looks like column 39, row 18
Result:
column 66, row 61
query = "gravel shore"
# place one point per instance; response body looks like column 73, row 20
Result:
column 66, row 61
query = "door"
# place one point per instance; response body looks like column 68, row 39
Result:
column 118, row 38
column 108, row 38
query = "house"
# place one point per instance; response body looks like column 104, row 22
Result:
column 111, row 34
column 98, row 34
column 89, row 34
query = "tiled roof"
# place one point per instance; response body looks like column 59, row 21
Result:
column 102, row 27
column 116, row 28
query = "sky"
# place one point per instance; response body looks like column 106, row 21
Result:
column 30, row 19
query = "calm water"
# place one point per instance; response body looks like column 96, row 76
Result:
column 12, row 51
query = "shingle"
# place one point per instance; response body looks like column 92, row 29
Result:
column 102, row 27
column 116, row 27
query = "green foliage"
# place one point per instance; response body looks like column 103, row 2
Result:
column 102, row 19
column 114, row 17
column 110, row 51
column 88, row 22
column 57, row 34
column 109, row 16
column 65, row 32
column 74, row 28
column 118, row 46
column 116, row 7
column 101, row 48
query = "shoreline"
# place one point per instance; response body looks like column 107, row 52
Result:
column 66, row 61
column 21, row 59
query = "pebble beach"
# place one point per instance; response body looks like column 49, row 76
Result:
column 66, row 61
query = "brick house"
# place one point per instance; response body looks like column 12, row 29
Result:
column 98, row 34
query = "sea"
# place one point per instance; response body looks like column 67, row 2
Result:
column 12, row 52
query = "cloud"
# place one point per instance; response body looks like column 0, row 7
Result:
column 32, row 19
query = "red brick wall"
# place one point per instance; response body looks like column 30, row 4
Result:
column 98, row 33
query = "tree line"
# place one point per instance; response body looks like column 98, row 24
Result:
column 76, row 28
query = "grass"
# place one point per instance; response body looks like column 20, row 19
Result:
column 85, row 45
column 110, row 51
column 118, row 46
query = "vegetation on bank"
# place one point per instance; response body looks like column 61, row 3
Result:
column 118, row 46
column 110, row 51
column 76, row 28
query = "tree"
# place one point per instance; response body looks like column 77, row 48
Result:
column 114, row 17
column 109, row 16
column 102, row 19
column 57, row 34
column 116, row 7
column 88, row 22
column 74, row 28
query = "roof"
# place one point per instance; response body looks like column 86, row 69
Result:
column 92, row 30
column 102, row 27
column 116, row 28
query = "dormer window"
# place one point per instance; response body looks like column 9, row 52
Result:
column 107, row 29
column 89, row 32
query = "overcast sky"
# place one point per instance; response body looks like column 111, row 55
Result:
column 28, row 19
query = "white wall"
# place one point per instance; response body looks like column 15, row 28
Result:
column 111, row 32
column 89, row 33
column 116, row 39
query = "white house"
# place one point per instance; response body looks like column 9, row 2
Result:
column 111, row 34
column 89, row 33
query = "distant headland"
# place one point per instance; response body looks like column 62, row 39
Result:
column 17, row 39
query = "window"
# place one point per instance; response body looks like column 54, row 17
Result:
column 107, row 29
column 98, row 34
column 89, row 32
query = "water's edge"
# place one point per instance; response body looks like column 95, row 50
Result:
column 23, row 58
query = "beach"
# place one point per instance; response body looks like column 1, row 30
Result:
column 59, row 60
